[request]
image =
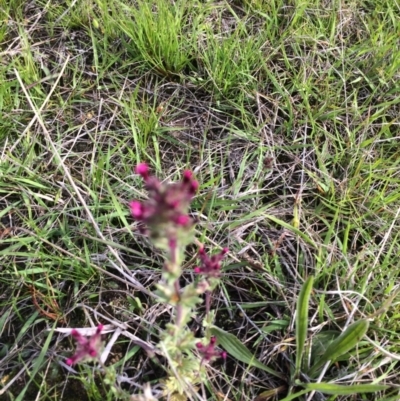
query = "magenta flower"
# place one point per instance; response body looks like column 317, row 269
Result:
column 87, row 347
column 208, row 352
column 165, row 213
column 210, row 266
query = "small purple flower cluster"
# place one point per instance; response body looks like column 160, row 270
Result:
column 208, row 352
column 167, row 203
column 87, row 347
column 210, row 266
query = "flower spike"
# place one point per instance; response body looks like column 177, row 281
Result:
column 208, row 352
column 210, row 265
column 165, row 213
column 87, row 347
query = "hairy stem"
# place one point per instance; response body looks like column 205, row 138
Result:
column 208, row 302
column 174, row 261
column 179, row 308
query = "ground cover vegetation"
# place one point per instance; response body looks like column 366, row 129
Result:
column 287, row 114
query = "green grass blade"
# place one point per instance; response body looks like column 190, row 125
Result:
column 27, row 325
column 117, row 205
column 291, row 228
column 239, row 351
column 344, row 343
column 340, row 389
column 295, row 396
column 3, row 320
column 302, row 321
column 37, row 364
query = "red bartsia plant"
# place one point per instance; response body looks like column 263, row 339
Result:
column 164, row 216
column 88, row 347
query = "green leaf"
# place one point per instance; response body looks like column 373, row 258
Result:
column 327, row 387
column 33, row 183
column 294, row 230
column 340, row 389
column 302, row 321
column 239, row 351
column 27, row 325
column 117, row 205
column 34, row 270
column 320, row 343
column 295, row 396
column 3, row 319
column 37, row 364
column 344, row 343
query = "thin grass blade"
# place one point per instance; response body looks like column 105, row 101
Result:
column 37, row 364
column 302, row 321
column 290, row 227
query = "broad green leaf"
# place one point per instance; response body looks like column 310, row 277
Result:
column 238, row 350
column 320, row 343
column 302, row 321
column 344, row 343
column 340, row 389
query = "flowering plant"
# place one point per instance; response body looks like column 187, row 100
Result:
column 164, row 217
column 88, row 347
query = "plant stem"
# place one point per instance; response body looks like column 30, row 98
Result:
column 208, row 302
column 179, row 308
column 174, row 261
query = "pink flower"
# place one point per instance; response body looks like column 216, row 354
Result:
column 87, row 347
column 210, row 266
column 208, row 352
column 165, row 213
column 142, row 169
